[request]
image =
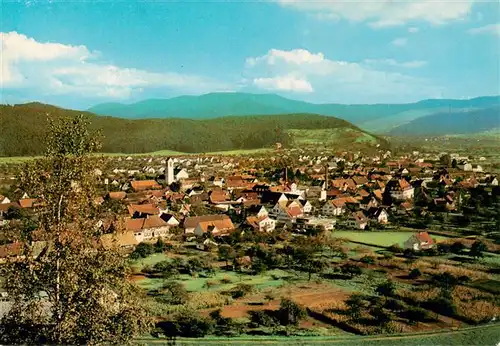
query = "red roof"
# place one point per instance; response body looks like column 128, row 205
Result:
column 424, row 237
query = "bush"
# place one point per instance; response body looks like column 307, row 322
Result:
column 367, row 259
column 191, row 324
column 260, row 318
column 242, row 290
column 414, row 273
column 416, row 314
column 142, row 250
column 290, row 313
column 225, row 280
column 395, row 248
column 174, row 292
column 444, row 306
column 386, row 289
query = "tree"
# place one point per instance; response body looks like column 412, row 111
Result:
column 290, row 313
column 355, row 304
column 174, row 292
column 477, row 249
column 75, row 291
column 226, row 253
column 386, row 289
column 415, row 273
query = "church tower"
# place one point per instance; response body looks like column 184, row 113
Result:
column 170, row 171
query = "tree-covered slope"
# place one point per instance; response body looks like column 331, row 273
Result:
column 24, row 128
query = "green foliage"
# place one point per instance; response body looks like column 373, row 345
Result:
column 142, row 250
column 84, row 284
column 174, row 293
column 414, row 273
column 477, row 249
column 386, row 289
column 191, row 324
column 242, row 290
column 260, row 318
column 24, row 137
column 290, row 313
column 355, row 304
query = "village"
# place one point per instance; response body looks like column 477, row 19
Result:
column 381, row 217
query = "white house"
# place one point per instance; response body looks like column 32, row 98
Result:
column 261, row 224
column 334, row 207
column 4, row 200
column 400, row 189
column 147, row 228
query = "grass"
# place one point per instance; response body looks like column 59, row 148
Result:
column 197, row 284
column 378, row 238
column 21, row 159
column 481, row 335
column 330, row 137
column 149, row 261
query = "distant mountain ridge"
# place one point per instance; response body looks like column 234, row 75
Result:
column 446, row 123
column 381, row 118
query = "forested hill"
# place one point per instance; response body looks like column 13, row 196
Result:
column 24, row 128
column 378, row 118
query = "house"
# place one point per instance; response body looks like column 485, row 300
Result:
column 261, row 224
column 206, row 244
column 170, row 220
column 201, row 224
column 288, row 212
column 4, row 200
column 27, row 202
column 334, row 207
column 147, row 228
column 464, row 166
column 378, row 215
column 357, row 220
column 400, row 189
column 126, row 240
column 306, row 206
column 142, row 210
column 142, row 185
column 119, row 195
column 181, row 174
column 419, row 241
column 257, row 210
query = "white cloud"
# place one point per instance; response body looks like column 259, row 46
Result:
column 400, row 42
column 284, row 83
column 394, row 63
column 335, row 80
column 65, row 69
column 384, row 13
column 493, row 29
column 413, row 30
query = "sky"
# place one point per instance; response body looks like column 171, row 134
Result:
column 81, row 53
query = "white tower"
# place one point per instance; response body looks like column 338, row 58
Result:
column 170, row 171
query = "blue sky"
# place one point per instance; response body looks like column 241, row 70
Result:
column 76, row 54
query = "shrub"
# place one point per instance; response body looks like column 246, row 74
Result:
column 444, row 306
column 191, row 324
column 395, row 248
column 415, row 273
column 242, row 290
column 260, row 318
column 367, row 259
column 290, row 313
column 174, row 292
column 386, row 289
column 416, row 314
column 142, row 250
